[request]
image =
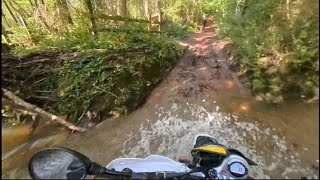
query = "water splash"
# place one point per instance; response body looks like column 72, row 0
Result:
column 172, row 136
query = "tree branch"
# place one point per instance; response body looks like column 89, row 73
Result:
column 40, row 111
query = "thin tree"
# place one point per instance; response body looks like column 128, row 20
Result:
column 240, row 9
column 5, row 19
column 64, row 11
column 38, row 15
column 92, row 18
column 146, row 8
column 10, row 11
column 32, row 5
column 24, row 23
column 19, row 8
column 21, row 19
column 158, row 5
column 5, row 34
column 122, row 7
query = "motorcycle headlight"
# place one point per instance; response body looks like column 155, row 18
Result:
column 215, row 149
column 211, row 155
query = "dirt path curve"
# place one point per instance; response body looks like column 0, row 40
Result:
column 203, row 71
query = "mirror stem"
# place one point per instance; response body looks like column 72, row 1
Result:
column 96, row 169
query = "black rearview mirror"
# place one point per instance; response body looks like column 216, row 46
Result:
column 58, row 163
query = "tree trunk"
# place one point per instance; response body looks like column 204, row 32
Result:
column 36, row 3
column 112, row 6
column 158, row 5
column 40, row 20
column 5, row 19
column 4, row 32
column 150, row 24
column 42, row 2
column 160, row 14
column 187, row 17
column 122, row 8
column 11, row 13
column 32, row 5
column 238, row 14
column 100, row 7
column 288, row 9
column 23, row 22
column 146, row 8
column 239, row 9
column 92, row 18
column 64, row 11
column 245, row 6
column 19, row 9
column 40, row 111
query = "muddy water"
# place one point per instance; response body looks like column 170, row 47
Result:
column 18, row 146
column 200, row 95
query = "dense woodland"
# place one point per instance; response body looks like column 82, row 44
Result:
column 275, row 43
column 45, row 24
column 68, row 56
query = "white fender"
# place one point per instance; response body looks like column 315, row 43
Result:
column 153, row 163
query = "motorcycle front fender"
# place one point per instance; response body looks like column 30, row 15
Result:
column 153, row 163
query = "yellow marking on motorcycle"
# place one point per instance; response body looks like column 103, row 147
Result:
column 213, row 149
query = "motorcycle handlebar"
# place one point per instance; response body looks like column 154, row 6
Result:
column 151, row 175
column 148, row 175
column 167, row 176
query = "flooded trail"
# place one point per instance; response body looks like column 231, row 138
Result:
column 18, row 146
column 202, row 95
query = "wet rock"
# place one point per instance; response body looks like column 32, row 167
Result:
column 90, row 124
column 215, row 74
column 315, row 167
column 213, row 63
column 272, row 70
column 316, row 96
column 194, row 62
column 295, row 145
column 306, row 149
column 258, row 98
column 193, row 76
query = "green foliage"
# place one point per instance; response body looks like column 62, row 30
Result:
column 119, row 66
column 177, row 31
column 79, row 39
column 277, row 46
column 122, row 78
